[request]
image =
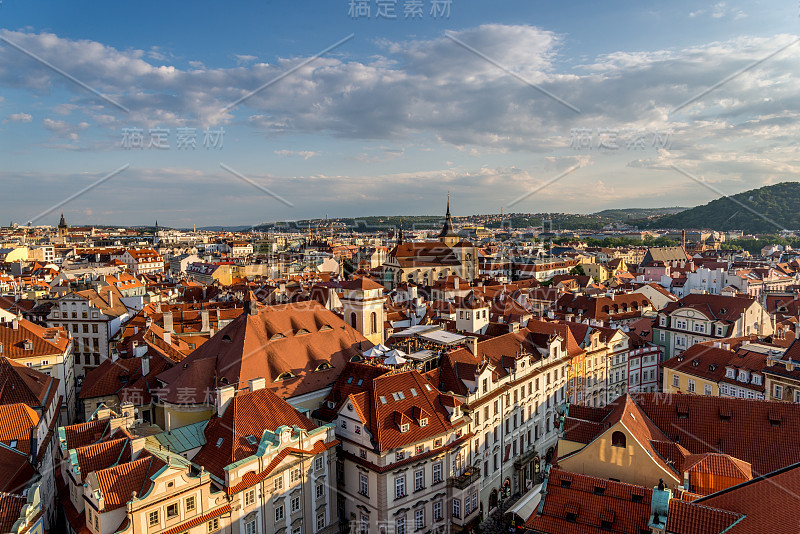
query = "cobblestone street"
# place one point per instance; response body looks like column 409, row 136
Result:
column 496, row 523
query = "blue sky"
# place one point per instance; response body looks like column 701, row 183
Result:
column 393, row 118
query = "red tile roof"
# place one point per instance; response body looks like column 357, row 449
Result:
column 291, row 338
column 118, row 483
column 22, row 384
column 249, row 414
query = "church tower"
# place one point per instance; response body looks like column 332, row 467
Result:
column 363, row 308
column 448, row 235
column 62, row 227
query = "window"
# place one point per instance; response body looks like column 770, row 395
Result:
column 778, row 391
column 190, row 503
column 318, row 463
column 364, row 529
column 437, row 511
column 320, row 491
column 437, row 472
column 419, row 518
column 320, row 521
column 437, row 443
column 707, row 389
column 362, row 453
column 172, row 510
column 399, row 455
column 423, row 422
column 250, row 527
column 357, row 429
column 618, row 439
column 400, row 486
column 419, row 449
column 213, row 525
column 363, row 484
column 404, row 427
column 153, row 518
column 279, row 513
column 278, row 484
column 344, row 424
column 691, row 386
column 400, row 525
column 295, row 504
column 457, row 508
column 294, row 475
column 419, row 479
column 676, row 381
column 250, row 497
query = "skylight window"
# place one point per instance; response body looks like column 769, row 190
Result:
column 13, row 444
column 428, row 387
column 414, row 392
column 383, row 399
column 350, row 380
column 219, row 442
column 360, row 381
column 252, row 440
column 401, row 395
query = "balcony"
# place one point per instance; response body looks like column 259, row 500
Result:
column 524, row 458
column 466, row 479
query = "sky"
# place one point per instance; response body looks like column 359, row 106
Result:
column 236, row 113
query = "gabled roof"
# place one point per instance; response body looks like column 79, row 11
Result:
column 22, row 384
column 16, row 423
column 43, row 341
column 249, row 414
column 117, row 484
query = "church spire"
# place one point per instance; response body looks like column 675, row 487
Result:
column 400, row 234
column 448, row 206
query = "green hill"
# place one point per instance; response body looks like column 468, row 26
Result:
column 765, row 210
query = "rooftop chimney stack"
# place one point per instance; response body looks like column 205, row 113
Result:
column 168, row 322
column 223, row 399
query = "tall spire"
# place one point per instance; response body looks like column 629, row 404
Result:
column 400, row 235
column 448, row 205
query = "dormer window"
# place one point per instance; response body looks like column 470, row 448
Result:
column 423, row 421
column 323, row 366
column 730, row 373
column 284, row 376
column 404, row 427
column 756, row 380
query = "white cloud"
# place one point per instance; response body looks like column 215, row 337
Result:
column 19, row 117
column 305, row 154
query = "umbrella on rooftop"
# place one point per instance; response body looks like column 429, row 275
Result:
column 373, row 352
column 395, row 357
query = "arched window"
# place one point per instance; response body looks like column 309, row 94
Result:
column 373, row 321
column 618, row 439
column 353, row 320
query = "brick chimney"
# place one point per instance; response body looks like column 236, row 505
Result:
column 168, row 322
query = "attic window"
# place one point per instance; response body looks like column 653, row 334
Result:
column 356, row 358
column 301, row 332
column 599, row 490
column 331, row 405
column 423, row 421
column 325, row 327
column 219, row 442
column 277, row 336
column 637, row 498
column 226, row 337
column 428, row 387
column 383, row 399
column 252, row 440
column 360, row 381
column 13, row 444
column 404, row 427
column 284, row 376
column 566, row 483
column 775, row 419
column 414, row 392
column 350, row 380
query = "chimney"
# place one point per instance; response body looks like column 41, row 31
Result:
column 168, row 337
column 168, row 322
column 206, row 326
column 110, row 298
column 455, row 282
column 223, row 398
column 145, row 365
column 659, row 507
column 15, row 323
column 257, row 383
column 135, row 330
column 472, row 343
